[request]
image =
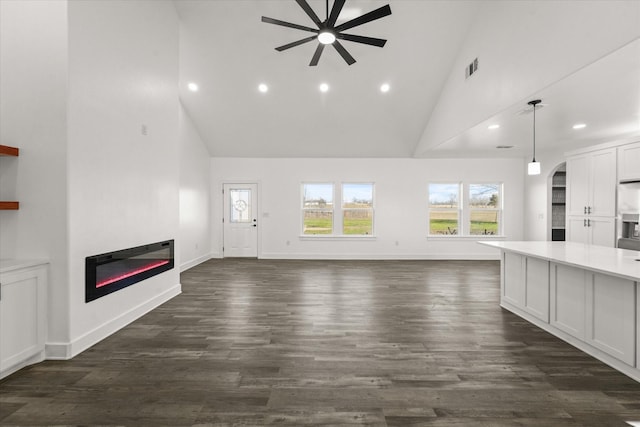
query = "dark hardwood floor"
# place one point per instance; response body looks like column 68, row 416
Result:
column 380, row 343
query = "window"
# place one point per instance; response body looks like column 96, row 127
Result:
column 444, row 210
column 478, row 213
column 317, row 208
column 484, row 209
column 352, row 217
column 357, row 209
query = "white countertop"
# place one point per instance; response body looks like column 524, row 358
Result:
column 616, row 262
column 7, row 265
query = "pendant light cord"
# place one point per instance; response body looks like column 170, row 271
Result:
column 327, row 10
column 534, row 103
column 534, row 132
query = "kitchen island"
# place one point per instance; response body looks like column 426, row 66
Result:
column 586, row 295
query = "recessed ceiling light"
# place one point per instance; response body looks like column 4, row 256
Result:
column 385, row 88
column 263, row 88
column 324, row 87
column 579, row 126
column 193, row 87
column 492, row 127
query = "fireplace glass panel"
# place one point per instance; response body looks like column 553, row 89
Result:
column 112, row 271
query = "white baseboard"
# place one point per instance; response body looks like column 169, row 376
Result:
column 192, row 263
column 365, row 257
column 64, row 351
column 39, row 357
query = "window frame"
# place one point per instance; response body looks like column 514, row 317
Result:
column 458, row 210
column 465, row 210
column 371, row 209
column 337, row 231
column 499, row 209
column 303, row 209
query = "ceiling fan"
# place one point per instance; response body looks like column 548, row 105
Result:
column 329, row 33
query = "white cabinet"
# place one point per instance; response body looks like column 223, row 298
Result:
column 629, row 162
column 536, row 301
column 597, row 309
column 592, row 230
column 591, row 197
column 526, row 284
column 513, row 283
column 22, row 316
column 591, row 183
column 568, row 298
column 578, row 188
column 611, row 318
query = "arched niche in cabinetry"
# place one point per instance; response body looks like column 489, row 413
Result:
column 557, row 199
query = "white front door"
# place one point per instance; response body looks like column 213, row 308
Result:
column 240, row 220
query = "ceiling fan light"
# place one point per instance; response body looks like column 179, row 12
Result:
column 533, row 168
column 326, row 37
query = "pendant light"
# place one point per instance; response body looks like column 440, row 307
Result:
column 534, row 167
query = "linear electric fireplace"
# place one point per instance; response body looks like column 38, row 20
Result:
column 113, row 271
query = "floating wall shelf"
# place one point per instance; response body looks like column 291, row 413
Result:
column 5, row 150
column 9, row 206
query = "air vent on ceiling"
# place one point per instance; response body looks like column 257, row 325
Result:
column 471, row 68
column 503, row 147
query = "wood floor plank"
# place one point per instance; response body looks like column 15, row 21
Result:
column 329, row 343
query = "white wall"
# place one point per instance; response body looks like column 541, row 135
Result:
column 580, row 32
column 195, row 201
column 400, row 201
column 33, row 114
column 124, row 152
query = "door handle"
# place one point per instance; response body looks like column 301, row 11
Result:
column 585, row 210
column 585, row 223
column 589, row 210
column 588, row 223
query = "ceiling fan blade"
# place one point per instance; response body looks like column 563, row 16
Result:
column 343, row 52
column 367, row 17
column 335, row 12
column 305, row 6
column 362, row 39
column 296, row 43
column 289, row 24
column 316, row 55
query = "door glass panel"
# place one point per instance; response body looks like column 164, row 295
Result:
column 240, row 205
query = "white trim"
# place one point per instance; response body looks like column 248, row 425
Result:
column 36, row 358
column 470, row 256
column 474, row 237
column 337, row 237
column 69, row 350
column 610, row 144
column 192, row 263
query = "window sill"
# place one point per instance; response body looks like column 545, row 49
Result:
column 467, row 237
column 336, row 237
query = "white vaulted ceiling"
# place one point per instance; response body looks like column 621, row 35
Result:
column 581, row 58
